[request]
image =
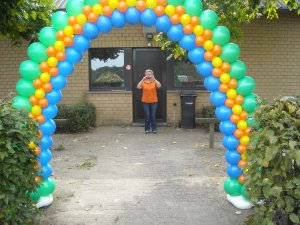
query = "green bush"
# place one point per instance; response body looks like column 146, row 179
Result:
column 208, row 111
column 80, row 117
column 273, row 163
column 17, row 162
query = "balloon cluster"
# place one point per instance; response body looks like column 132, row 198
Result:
column 52, row 60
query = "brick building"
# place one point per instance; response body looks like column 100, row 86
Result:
column 270, row 49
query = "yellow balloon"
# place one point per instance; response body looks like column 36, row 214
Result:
column 39, row 93
column 170, row 10
column 81, row 19
column 217, row 62
column 52, row 61
column 59, row 46
column 151, row 4
column 237, row 109
column 36, row 110
column 208, row 45
column 31, row 144
column 242, row 125
column 231, row 93
column 185, row 19
column 68, row 31
column 113, row 4
column 198, row 30
column 225, row 78
column 45, row 77
column 244, row 140
column 131, row 2
column 244, row 158
column 97, row 9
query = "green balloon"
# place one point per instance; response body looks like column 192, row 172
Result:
column 232, row 187
column 59, row 20
column 20, row 102
column 35, row 196
column 74, row 7
column 221, row 35
column 238, row 70
column 175, row 2
column 30, row 70
column 47, row 36
column 25, row 88
column 37, row 52
column 230, row 52
column 244, row 194
column 250, row 103
column 250, row 121
column 47, row 187
column 193, row 7
column 209, row 19
column 245, row 86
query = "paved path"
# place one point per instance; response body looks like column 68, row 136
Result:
column 120, row 175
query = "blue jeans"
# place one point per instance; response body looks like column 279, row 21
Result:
column 150, row 116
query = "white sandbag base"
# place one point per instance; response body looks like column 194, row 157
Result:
column 44, row 201
column 239, row 202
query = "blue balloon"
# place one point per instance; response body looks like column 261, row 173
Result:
column 132, row 16
column 118, row 19
column 46, row 142
column 65, row 68
column 233, row 157
column 54, row 96
column 212, row 83
column 230, row 142
column 148, row 17
column 187, row 42
column 205, row 68
column 175, row 33
column 45, row 171
column 223, row 113
column 45, row 156
column 73, row 56
column 104, row 24
column 163, row 23
column 50, row 111
column 58, row 82
column 81, row 43
column 227, row 127
column 90, row 30
column 48, row 127
column 196, row 55
column 217, row 98
column 234, row 171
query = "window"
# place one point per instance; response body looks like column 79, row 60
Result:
column 107, row 70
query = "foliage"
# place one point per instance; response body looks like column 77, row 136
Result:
column 79, row 117
column 17, row 162
column 208, row 111
column 23, row 19
column 273, row 163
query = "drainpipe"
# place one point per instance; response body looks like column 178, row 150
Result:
column 174, row 114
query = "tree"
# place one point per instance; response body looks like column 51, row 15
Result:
column 23, row 19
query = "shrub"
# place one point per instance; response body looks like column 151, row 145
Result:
column 80, row 117
column 273, row 163
column 208, row 111
column 17, row 162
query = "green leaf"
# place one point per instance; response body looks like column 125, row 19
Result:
column 294, row 218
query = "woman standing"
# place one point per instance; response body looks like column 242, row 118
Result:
column 149, row 98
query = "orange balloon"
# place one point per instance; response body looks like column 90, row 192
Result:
column 242, row 163
column 72, row 20
column 51, row 51
column 239, row 99
column 47, row 87
column 238, row 133
column 37, row 166
column 232, row 83
column 159, row 10
column 68, row 41
column 242, row 179
column 225, row 67
column 200, row 40
column 207, row 34
column 223, row 88
column 86, row 10
column 43, row 102
column 217, row 50
column 141, row 5
column 92, row 17
column 44, row 67
column 180, row 10
column 242, row 149
column 40, row 134
column 37, row 83
column 122, row 7
column 208, row 56
column 188, row 29
column 60, row 35
column 31, row 115
column 37, row 179
column 77, row 28
column 37, row 150
column 33, row 100
column 103, row 2
column 53, row 71
column 217, row 72
column 247, row 131
column 175, row 19
column 234, row 118
column 61, row 56
column 229, row 103
column 162, row 2
column 244, row 115
column 41, row 119
column 107, row 11
column 195, row 20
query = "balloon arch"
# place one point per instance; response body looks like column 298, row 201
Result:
column 52, row 60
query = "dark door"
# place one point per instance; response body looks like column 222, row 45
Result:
column 154, row 59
